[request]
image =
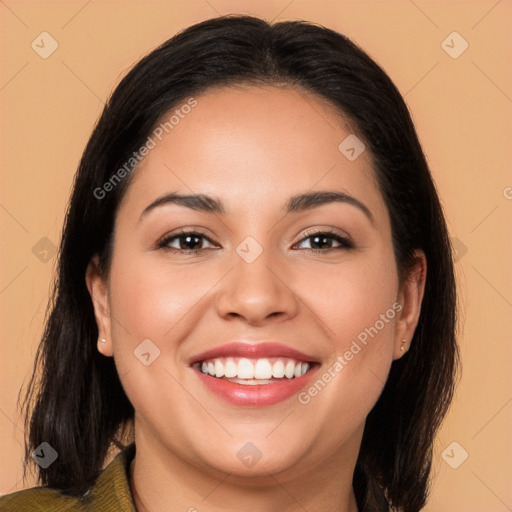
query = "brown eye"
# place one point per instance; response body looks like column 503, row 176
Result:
column 323, row 240
column 185, row 241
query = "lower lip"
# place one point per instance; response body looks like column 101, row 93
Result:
column 259, row 395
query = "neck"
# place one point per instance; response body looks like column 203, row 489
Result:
column 162, row 481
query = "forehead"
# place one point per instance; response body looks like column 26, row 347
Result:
column 254, row 146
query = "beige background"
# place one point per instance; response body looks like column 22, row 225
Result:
column 461, row 107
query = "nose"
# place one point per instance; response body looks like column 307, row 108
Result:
column 256, row 292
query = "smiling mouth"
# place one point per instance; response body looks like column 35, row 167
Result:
column 252, row 372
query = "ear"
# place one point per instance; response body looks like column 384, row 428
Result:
column 410, row 295
column 98, row 290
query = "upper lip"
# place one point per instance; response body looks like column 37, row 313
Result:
column 252, row 350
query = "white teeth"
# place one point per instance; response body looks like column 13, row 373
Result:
column 263, row 369
column 254, row 371
column 219, row 369
column 245, row 369
column 278, row 369
column 230, row 368
column 289, row 370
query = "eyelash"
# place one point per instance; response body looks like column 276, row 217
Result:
column 345, row 243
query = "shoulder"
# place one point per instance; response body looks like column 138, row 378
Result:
column 110, row 492
column 38, row 499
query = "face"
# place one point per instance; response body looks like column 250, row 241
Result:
column 291, row 307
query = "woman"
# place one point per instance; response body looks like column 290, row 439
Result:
column 255, row 289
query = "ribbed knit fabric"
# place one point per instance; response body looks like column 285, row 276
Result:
column 110, row 493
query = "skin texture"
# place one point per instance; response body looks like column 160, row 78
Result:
column 253, row 148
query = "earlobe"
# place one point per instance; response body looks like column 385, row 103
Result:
column 410, row 296
column 98, row 292
column 105, row 347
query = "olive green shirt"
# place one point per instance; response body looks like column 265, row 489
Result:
column 110, row 493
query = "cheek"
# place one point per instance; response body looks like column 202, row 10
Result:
column 149, row 298
column 351, row 298
column 358, row 310
column 152, row 301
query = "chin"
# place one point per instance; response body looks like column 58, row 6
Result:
column 253, row 459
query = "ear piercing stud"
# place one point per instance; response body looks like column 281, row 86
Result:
column 103, row 340
column 402, row 348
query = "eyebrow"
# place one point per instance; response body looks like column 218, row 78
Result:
column 295, row 204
